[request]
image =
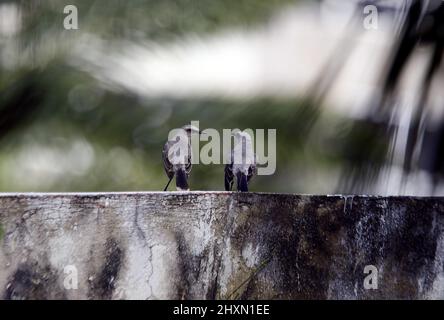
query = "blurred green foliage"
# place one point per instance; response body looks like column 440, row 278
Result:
column 61, row 130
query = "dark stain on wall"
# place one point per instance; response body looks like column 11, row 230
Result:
column 31, row 282
column 104, row 286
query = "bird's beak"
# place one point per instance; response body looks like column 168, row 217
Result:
column 203, row 134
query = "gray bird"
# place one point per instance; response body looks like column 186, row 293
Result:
column 242, row 164
column 176, row 156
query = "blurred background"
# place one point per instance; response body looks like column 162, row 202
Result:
column 357, row 99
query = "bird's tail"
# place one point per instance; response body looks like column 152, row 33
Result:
column 242, row 182
column 182, row 180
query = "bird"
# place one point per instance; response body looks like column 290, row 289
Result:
column 176, row 156
column 242, row 162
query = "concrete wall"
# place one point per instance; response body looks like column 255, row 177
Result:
column 218, row 245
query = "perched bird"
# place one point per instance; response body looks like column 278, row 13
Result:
column 242, row 164
column 176, row 156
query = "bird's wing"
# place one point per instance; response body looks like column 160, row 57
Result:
column 166, row 162
column 189, row 164
column 228, row 177
column 252, row 170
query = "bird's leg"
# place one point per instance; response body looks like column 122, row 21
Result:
column 169, row 181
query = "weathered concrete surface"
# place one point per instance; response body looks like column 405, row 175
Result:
column 218, row 245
